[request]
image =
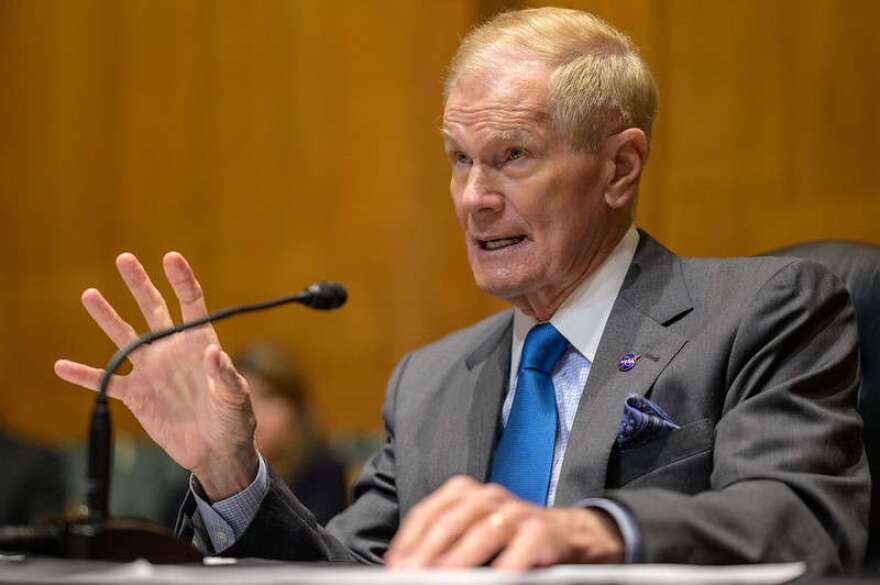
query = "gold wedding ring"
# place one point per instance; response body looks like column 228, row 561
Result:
column 496, row 519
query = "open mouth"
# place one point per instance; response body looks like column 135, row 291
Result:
column 500, row 243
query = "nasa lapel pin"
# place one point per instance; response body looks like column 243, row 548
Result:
column 628, row 362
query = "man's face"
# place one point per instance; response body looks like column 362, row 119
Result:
column 531, row 207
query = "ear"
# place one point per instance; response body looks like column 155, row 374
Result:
column 626, row 153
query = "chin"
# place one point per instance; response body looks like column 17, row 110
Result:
column 502, row 286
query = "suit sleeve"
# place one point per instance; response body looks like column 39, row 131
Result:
column 284, row 529
column 790, row 478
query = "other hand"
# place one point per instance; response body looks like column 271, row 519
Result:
column 183, row 389
column 466, row 523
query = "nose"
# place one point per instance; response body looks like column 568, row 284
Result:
column 480, row 192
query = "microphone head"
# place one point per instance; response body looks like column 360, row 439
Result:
column 325, row 295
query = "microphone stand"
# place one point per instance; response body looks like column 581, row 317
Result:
column 96, row 535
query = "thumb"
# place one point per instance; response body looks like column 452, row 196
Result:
column 226, row 380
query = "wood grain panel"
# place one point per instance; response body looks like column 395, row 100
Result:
column 771, row 129
column 274, row 143
column 766, row 130
column 280, row 142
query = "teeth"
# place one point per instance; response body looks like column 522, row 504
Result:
column 497, row 244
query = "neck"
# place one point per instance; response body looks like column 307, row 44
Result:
column 543, row 304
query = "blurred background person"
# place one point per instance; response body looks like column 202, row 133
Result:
column 287, row 434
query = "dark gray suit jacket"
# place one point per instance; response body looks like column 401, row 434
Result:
column 755, row 358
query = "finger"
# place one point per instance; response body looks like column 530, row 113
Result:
column 88, row 377
column 119, row 332
column 148, row 297
column 456, row 520
column 424, row 514
column 529, row 547
column 186, row 287
column 488, row 536
column 228, row 384
column 483, row 540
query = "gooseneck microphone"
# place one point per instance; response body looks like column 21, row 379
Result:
column 322, row 296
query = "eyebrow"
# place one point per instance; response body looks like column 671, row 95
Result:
column 510, row 135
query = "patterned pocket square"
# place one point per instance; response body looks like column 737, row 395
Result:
column 643, row 421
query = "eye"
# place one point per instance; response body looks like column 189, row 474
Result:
column 461, row 158
column 516, row 153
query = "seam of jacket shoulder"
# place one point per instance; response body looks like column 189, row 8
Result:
column 824, row 326
column 798, row 262
column 746, row 314
column 791, row 262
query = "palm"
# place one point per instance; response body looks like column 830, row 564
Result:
column 167, row 391
column 182, row 389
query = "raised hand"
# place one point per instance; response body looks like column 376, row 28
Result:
column 184, row 389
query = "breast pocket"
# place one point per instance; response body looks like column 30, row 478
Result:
column 677, row 459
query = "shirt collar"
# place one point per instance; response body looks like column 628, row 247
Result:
column 582, row 316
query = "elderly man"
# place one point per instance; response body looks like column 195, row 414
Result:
column 632, row 406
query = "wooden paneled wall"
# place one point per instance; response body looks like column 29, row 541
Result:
column 280, row 142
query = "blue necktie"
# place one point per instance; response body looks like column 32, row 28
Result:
column 524, row 455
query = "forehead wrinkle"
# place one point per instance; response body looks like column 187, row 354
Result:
column 514, row 135
column 509, row 124
column 496, row 113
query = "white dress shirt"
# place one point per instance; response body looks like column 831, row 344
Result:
column 581, row 320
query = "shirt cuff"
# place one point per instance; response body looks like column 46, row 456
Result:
column 626, row 523
column 226, row 520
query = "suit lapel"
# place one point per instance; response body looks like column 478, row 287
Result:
column 483, row 387
column 652, row 296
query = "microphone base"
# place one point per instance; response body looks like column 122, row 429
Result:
column 122, row 540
